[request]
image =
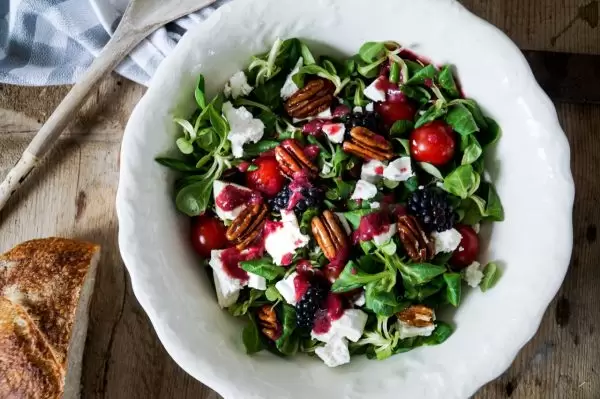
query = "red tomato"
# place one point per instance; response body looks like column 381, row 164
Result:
column 433, row 142
column 392, row 112
column 468, row 250
column 267, row 178
column 208, row 233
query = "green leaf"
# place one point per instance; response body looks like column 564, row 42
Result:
column 253, row 150
column 176, row 164
column 401, row 128
column 436, row 111
column 417, row 93
column 432, row 170
column 218, row 122
column 405, row 146
column 461, row 120
column 419, row 77
column 307, row 55
column 185, row 146
column 442, row 332
column 446, row 81
column 395, row 72
column 389, row 248
column 354, row 217
column 267, row 94
column 194, row 198
column 491, row 135
column 461, row 181
column 272, row 294
column 412, row 184
column 199, row 93
column 288, row 343
column 420, row 293
column 307, row 217
column 491, row 275
column 494, row 210
column 370, row 70
column 352, row 277
column 263, row 267
column 241, row 308
column 475, row 111
column 381, row 301
column 420, row 273
column 315, row 69
column 453, row 288
column 472, row 152
column 349, row 68
column 372, row 51
column 251, row 337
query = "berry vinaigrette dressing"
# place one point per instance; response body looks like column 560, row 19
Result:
column 371, row 225
column 334, row 309
column 231, row 259
column 232, row 197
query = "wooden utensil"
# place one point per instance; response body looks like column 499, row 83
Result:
column 141, row 18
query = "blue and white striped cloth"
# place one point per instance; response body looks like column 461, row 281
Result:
column 51, row 42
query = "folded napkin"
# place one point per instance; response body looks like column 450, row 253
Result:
column 51, row 42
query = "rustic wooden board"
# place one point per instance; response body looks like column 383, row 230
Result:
column 73, row 195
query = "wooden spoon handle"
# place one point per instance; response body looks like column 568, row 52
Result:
column 113, row 53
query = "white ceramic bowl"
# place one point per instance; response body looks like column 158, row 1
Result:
column 530, row 168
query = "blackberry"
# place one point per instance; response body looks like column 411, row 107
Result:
column 433, row 209
column 280, row 201
column 308, row 197
column 310, row 303
column 364, row 119
column 312, row 197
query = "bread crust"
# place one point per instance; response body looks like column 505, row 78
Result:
column 40, row 285
column 29, row 367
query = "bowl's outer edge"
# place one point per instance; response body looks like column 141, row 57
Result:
column 550, row 116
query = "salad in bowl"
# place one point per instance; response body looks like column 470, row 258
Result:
column 337, row 202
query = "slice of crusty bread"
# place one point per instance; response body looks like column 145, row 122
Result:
column 53, row 280
column 28, row 365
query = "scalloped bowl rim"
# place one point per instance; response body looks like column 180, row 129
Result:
column 138, row 187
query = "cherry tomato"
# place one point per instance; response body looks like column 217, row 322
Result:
column 207, row 233
column 392, row 112
column 468, row 249
column 267, row 178
column 433, row 142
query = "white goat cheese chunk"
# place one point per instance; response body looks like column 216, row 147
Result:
column 244, row 128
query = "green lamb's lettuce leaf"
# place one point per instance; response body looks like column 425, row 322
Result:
column 462, row 182
column 436, row 111
column 401, row 128
column 241, row 307
column 353, row 277
column 372, row 51
column 176, row 164
column 453, row 288
column 491, row 275
column 288, row 343
column 447, row 82
column 472, row 152
column 263, row 267
column 420, row 273
column 251, row 337
column 461, row 120
column 421, row 76
column 432, row 170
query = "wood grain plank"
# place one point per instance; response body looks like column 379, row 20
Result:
column 561, row 361
column 555, row 25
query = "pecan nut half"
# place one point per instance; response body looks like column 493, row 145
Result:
column 293, row 161
column 315, row 97
column 368, row 145
column 329, row 234
column 248, row 226
column 417, row 316
column 267, row 320
column 417, row 244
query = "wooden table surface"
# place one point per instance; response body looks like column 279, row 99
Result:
column 73, row 194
